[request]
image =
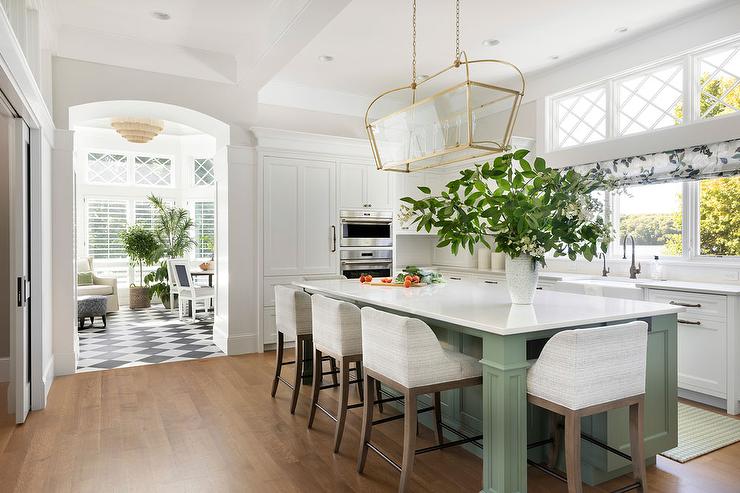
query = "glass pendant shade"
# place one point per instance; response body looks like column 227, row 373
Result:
column 465, row 119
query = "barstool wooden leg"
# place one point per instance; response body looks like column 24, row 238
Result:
column 278, row 362
column 343, row 398
column 573, row 452
column 438, row 418
column 637, row 445
column 367, row 422
column 298, row 370
column 358, row 376
column 409, row 441
column 333, row 365
column 379, row 393
column 554, row 453
column 317, row 368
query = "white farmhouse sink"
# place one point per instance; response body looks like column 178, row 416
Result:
column 608, row 287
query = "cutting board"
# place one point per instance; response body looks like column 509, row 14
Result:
column 378, row 283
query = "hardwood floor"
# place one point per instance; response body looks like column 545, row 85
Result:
column 210, row 425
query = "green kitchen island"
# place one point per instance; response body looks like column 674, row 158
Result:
column 478, row 318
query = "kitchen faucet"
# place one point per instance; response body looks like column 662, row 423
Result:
column 606, row 270
column 633, row 270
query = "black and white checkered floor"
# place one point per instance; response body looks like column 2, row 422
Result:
column 145, row 337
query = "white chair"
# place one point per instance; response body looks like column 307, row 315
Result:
column 588, row 371
column 405, row 354
column 337, row 332
column 187, row 290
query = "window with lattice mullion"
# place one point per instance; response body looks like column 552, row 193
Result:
column 152, row 171
column 719, row 83
column 106, row 168
column 651, row 100
column 581, row 118
column 203, row 172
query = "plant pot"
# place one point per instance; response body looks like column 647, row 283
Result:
column 521, row 278
column 138, row 297
column 166, row 302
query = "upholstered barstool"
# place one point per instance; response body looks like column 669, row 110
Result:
column 588, row 371
column 337, row 332
column 404, row 354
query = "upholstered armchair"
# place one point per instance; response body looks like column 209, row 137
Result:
column 101, row 286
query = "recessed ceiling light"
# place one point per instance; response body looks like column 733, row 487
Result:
column 326, row 58
column 554, row 57
column 162, row 16
column 490, row 42
column 621, row 30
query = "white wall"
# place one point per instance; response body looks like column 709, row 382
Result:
column 5, row 286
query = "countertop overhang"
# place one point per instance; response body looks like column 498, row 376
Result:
column 488, row 307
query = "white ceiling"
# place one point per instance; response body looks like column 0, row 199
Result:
column 371, row 40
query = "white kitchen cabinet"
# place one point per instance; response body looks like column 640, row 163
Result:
column 299, row 217
column 364, row 187
column 407, row 185
column 707, row 343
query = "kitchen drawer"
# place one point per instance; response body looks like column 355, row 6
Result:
column 491, row 278
column 456, row 276
column 702, row 305
column 268, row 293
column 702, row 355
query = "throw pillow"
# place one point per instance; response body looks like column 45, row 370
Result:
column 84, row 278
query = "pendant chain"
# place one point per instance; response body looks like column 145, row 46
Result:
column 457, row 30
column 413, row 47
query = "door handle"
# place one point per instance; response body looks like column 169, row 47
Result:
column 333, row 238
column 20, row 291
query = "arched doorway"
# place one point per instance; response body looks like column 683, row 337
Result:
column 113, row 180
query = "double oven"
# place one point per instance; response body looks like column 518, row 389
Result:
column 366, row 243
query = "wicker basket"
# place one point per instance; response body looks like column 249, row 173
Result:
column 139, row 297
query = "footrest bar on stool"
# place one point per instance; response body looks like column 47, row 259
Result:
column 355, row 406
column 448, row 444
column 629, row 487
column 547, row 470
column 287, row 363
column 539, row 444
column 290, row 385
column 452, row 430
column 330, row 372
column 399, row 416
column 389, row 399
column 383, row 456
column 326, row 411
column 329, row 386
column 596, row 442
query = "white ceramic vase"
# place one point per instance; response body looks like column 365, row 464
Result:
column 521, row 278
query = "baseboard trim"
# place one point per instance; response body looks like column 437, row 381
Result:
column 234, row 344
column 48, row 377
column 708, row 400
column 4, row 369
column 65, row 363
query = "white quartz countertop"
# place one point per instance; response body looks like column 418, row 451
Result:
column 691, row 286
column 487, row 307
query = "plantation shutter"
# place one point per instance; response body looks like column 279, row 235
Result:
column 205, row 226
column 106, row 219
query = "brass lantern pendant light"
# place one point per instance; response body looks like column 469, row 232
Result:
column 447, row 117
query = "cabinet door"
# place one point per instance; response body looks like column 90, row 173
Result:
column 378, row 186
column 318, row 215
column 282, row 186
column 352, row 186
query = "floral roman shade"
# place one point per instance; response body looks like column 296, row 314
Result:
column 692, row 163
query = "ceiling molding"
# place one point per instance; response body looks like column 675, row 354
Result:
column 273, row 139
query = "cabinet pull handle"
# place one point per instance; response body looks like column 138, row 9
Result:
column 456, row 278
column 688, row 322
column 490, row 282
column 333, row 238
column 688, row 305
column 539, row 287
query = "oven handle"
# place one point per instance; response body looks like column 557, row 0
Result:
column 366, row 261
column 333, row 238
column 371, row 220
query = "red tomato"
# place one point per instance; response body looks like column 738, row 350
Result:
column 408, row 278
column 362, row 278
column 416, row 279
column 407, row 283
column 368, row 278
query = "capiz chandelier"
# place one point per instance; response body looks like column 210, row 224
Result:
column 428, row 126
column 138, row 130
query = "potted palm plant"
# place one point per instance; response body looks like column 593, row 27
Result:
column 142, row 248
column 528, row 210
column 172, row 231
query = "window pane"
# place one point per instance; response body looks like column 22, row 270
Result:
column 719, row 216
column 205, row 228
column 719, row 82
column 580, row 118
column 652, row 215
column 650, row 100
column 153, row 171
column 203, row 172
column 107, row 169
column 105, row 221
